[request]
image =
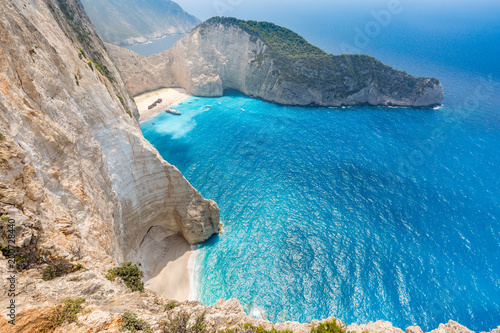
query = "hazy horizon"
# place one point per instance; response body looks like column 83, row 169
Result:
column 340, row 27
column 262, row 10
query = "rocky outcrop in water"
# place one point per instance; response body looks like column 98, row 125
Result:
column 270, row 62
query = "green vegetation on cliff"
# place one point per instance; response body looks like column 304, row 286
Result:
column 130, row 274
column 64, row 313
column 301, row 62
column 74, row 25
column 72, row 20
column 329, row 326
column 132, row 323
column 282, row 41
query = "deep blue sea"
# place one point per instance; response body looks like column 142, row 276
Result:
column 361, row 213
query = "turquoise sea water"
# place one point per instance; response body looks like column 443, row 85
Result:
column 362, row 213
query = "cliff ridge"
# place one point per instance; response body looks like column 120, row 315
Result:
column 267, row 61
column 75, row 167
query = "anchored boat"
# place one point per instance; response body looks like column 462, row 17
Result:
column 173, row 111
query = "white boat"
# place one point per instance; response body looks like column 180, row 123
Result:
column 220, row 103
column 208, row 106
column 242, row 109
column 173, row 111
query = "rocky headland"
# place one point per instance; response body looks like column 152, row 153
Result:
column 87, row 192
column 267, row 61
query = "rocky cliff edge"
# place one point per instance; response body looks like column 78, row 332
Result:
column 74, row 163
column 82, row 184
column 266, row 61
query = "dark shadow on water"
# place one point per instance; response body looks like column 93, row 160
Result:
column 212, row 241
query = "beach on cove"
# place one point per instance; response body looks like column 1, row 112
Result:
column 174, row 279
column 169, row 96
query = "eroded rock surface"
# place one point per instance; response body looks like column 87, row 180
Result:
column 220, row 54
column 74, row 161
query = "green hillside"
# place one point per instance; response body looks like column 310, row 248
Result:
column 302, row 62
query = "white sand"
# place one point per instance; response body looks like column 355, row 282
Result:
column 169, row 96
column 173, row 281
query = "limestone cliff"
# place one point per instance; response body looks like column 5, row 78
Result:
column 143, row 73
column 270, row 62
column 74, row 162
column 75, row 169
column 107, row 301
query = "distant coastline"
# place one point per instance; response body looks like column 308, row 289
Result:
column 154, row 45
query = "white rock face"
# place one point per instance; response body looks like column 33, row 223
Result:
column 207, row 64
column 215, row 57
column 143, row 73
column 75, row 166
column 375, row 327
column 451, row 327
column 87, row 170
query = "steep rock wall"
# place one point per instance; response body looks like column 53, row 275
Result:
column 68, row 119
column 143, row 73
column 216, row 56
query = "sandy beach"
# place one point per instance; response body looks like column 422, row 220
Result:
column 166, row 266
column 173, row 281
column 169, row 97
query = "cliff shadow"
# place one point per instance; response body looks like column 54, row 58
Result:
column 164, row 259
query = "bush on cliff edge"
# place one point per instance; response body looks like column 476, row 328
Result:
column 130, row 274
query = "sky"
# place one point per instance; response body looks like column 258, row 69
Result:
column 263, row 9
column 335, row 25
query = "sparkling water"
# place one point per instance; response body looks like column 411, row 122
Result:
column 361, row 213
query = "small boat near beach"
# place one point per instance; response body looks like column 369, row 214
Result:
column 173, row 111
column 208, row 106
column 197, row 99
